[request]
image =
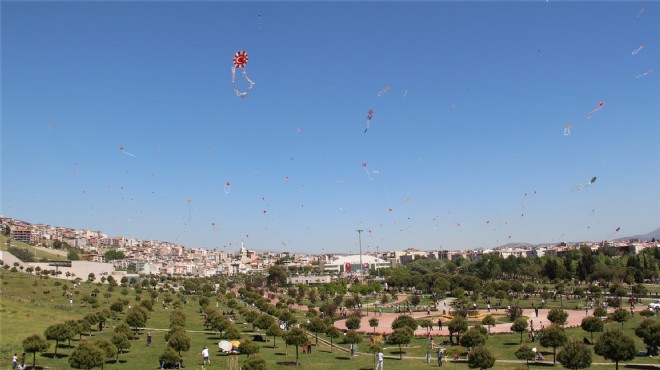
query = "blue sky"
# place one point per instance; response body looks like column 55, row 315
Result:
column 480, row 94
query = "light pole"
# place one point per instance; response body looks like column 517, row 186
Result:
column 360, row 243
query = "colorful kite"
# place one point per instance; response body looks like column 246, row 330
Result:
column 240, row 60
column 567, row 129
column 227, row 187
column 600, row 106
column 364, row 165
column 382, row 92
column 370, row 115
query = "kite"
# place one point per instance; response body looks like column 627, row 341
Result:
column 641, row 11
column 567, row 129
column 370, row 115
column 125, row 152
column 405, row 92
column 612, row 233
column 189, row 210
column 382, row 92
column 641, row 46
column 584, row 186
column 364, row 165
column 648, row 72
column 240, row 60
column 600, row 106
column 227, row 187
column 213, row 226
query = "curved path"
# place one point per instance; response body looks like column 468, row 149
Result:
column 385, row 322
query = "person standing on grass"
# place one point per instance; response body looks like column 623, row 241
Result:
column 205, row 355
column 148, row 339
column 440, row 357
column 14, row 361
column 379, row 364
column 428, row 357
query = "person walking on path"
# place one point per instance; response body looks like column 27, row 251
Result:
column 428, row 357
column 379, row 364
column 440, row 357
column 205, row 355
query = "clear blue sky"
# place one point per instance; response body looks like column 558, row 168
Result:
column 474, row 119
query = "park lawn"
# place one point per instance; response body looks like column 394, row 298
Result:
column 25, row 310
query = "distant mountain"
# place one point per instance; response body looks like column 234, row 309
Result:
column 646, row 237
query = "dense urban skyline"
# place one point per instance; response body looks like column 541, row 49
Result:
column 466, row 147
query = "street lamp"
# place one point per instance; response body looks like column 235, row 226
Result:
column 360, row 243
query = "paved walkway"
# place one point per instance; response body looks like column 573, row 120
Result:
column 385, row 321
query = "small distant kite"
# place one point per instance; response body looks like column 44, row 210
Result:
column 364, row 165
column 385, row 90
column 189, row 210
column 240, row 60
column 600, row 106
column 641, row 11
column 641, row 46
column 370, row 115
column 227, row 187
column 648, row 72
column 125, row 152
column 567, row 129
column 584, row 186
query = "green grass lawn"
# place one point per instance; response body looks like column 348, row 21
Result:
column 25, row 310
column 38, row 253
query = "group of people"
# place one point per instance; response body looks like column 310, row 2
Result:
column 15, row 364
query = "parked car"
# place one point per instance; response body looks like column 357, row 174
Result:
column 654, row 306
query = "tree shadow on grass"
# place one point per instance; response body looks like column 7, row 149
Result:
column 112, row 361
column 512, row 344
column 280, row 353
column 342, row 358
column 53, row 355
column 639, row 366
column 287, row 363
column 541, row 364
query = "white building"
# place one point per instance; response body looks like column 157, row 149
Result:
column 351, row 263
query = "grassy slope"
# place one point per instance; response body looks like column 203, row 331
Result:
column 39, row 253
column 21, row 316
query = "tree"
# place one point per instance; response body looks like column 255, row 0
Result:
column 557, row 316
column 231, row 333
column 425, row 323
column 575, row 355
column 520, row 326
column 592, row 324
column 169, row 356
column 405, row 321
column 179, row 341
column 525, row 352
column 373, row 322
column 316, row 325
column 649, row 331
column 353, row 323
column 615, row 346
column 296, row 337
column 481, row 358
column 264, row 321
column 332, row 333
column 353, row 338
column 488, row 321
column 123, row 328
column 86, row 356
column 457, row 325
column 620, row 315
column 600, row 312
column 474, row 337
column 277, row 274
column 33, row 344
column 249, row 347
column 553, row 336
column 135, row 319
column 402, row 335
column 58, row 333
column 274, row 331
column 109, row 349
column 255, row 362
column 120, row 340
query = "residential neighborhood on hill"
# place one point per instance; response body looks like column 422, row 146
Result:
column 103, row 254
